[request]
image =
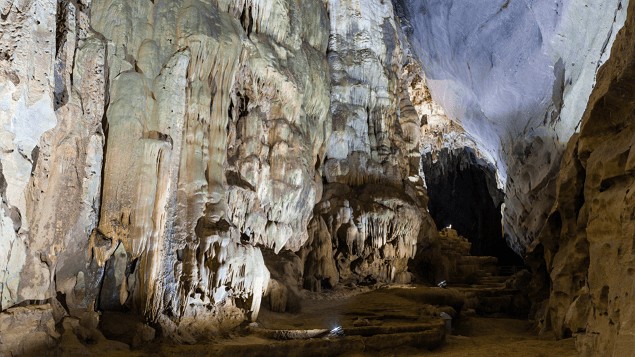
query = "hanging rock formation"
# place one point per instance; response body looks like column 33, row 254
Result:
column 231, row 164
column 173, row 140
column 374, row 201
column 180, row 160
column 365, row 235
column 153, row 146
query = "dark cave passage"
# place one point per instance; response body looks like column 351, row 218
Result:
column 463, row 193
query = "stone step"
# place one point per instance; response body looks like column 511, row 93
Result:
column 490, row 285
column 493, row 279
column 366, row 339
column 347, row 331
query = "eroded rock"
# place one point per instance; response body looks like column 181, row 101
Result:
column 36, row 322
column 587, row 240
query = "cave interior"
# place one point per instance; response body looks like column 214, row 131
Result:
column 317, row 177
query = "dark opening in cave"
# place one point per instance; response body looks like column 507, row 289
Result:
column 463, row 193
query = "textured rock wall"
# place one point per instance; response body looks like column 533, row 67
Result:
column 588, row 239
column 150, row 147
column 265, row 191
column 366, row 58
column 53, row 89
column 151, row 150
column 368, row 222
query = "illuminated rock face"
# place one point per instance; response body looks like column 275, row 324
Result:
column 51, row 141
column 154, row 146
column 232, row 119
column 152, row 150
column 374, row 203
column 517, row 76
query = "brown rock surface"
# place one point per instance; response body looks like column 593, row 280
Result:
column 588, row 240
column 34, row 321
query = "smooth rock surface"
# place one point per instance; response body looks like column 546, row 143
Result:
column 517, row 76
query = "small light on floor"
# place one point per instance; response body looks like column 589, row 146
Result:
column 337, row 331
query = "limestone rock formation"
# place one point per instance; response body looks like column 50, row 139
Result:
column 367, row 224
column 53, row 91
column 361, row 235
column 588, row 240
column 229, row 166
column 516, row 76
column 180, row 160
column 152, row 147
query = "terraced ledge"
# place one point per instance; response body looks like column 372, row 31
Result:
column 365, row 340
column 364, row 331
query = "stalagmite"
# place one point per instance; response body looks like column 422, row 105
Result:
column 177, row 166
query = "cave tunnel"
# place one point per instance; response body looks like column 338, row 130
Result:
column 246, row 178
column 463, row 194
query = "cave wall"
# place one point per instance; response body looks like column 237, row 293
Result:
column 588, row 239
column 517, row 77
column 373, row 208
column 154, row 146
column 152, row 150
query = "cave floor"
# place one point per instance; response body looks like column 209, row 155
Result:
column 504, row 337
column 387, row 306
column 395, row 321
column 407, row 305
column 389, row 321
